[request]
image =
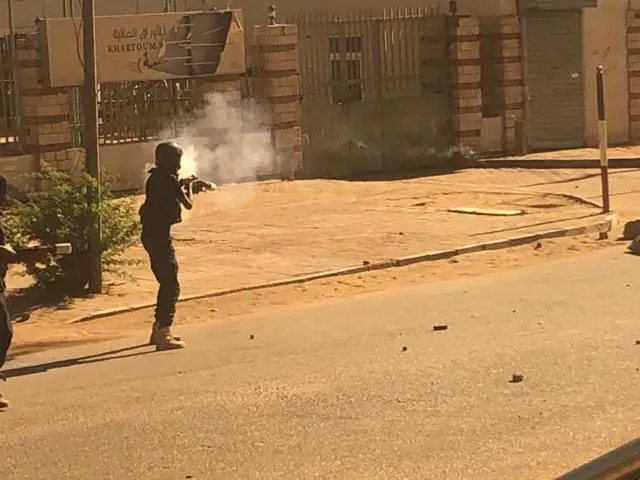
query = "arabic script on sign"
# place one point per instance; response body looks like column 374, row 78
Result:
column 136, row 40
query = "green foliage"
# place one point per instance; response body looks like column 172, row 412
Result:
column 59, row 212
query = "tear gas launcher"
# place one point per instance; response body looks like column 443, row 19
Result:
column 37, row 252
column 197, row 185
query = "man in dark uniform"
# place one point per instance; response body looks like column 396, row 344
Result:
column 162, row 208
column 6, row 256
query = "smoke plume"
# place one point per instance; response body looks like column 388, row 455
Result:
column 224, row 142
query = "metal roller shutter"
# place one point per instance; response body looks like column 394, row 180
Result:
column 554, row 80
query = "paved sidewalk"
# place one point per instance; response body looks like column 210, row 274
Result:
column 588, row 153
column 256, row 233
column 619, row 157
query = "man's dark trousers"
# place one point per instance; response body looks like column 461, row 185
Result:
column 156, row 240
column 6, row 329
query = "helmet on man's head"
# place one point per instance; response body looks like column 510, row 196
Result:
column 168, row 155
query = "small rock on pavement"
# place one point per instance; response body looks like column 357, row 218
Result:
column 517, row 378
column 637, row 342
column 251, row 337
column 366, row 262
column 537, row 246
column 440, row 328
column 404, row 349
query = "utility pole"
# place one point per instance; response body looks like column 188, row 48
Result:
column 90, row 97
column 602, row 138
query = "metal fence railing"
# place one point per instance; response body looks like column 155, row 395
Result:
column 132, row 112
column 9, row 116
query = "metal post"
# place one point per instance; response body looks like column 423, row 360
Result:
column 13, row 76
column 12, row 36
column 90, row 94
column 602, row 139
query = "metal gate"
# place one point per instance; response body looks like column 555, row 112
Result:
column 554, row 80
column 367, row 102
column 134, row 112
column 9, row 117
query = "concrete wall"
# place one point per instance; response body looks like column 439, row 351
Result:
column 604, row 43
column 125, row 162
column 15, row 168
column 373, row 135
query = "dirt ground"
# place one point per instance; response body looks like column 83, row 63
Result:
column 614, row 153
column 41, row 335
column 255, row 233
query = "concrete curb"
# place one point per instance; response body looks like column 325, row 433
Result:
column 603, row 225
column 555, row 163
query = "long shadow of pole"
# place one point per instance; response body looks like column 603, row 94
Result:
column 96, row 358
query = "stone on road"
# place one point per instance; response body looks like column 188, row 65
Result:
column 322, row 392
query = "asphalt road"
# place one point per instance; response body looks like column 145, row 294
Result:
column 327, row 391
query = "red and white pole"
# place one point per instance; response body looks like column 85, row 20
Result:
column 602, row 139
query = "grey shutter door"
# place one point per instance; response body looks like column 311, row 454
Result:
column 554, row 79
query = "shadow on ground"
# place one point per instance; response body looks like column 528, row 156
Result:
column 127, row 352
column 22, row 302
column 393, row 175
column 586, row 176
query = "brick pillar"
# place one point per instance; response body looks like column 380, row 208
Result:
column 433, row 53
column 466, row 92
column 633, row 66
column 44, row 112
column 511, row 83
column 277, row 85
column 227, row 85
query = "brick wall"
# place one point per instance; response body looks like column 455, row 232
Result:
column 487, row 78
column 44, row 112
column 466, row 92
column 633, row 52
column 277, row 85
column 511, row 82
column 227, row 85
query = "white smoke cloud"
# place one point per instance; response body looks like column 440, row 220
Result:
column 225, row 143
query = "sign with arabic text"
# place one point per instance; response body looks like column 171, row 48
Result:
column 145, row 47
column 126, row 41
